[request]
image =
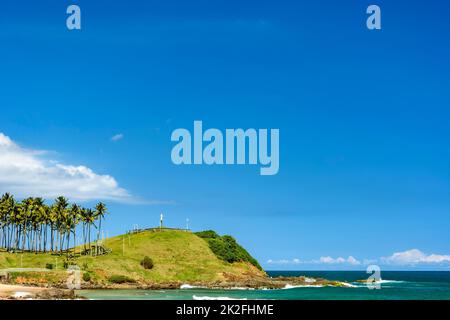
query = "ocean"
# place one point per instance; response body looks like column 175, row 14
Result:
column 396, row 285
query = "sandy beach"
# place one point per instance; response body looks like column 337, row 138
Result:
column 19, row 292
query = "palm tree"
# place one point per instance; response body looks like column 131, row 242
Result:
column 46, row 222
column 83, row 219
column 26, row 214
column 100, row 212
column 53, row 217
column 7, row 204
column 24, row 225
column 74, row 219
column 90, row 219
column 36, row 222
column 17, row 218
column 60, row 208
column 68, row 226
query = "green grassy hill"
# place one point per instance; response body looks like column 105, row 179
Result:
column 178, row 256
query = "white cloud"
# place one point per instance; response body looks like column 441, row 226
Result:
column 323, row 260
column 329, row 260
column 368, row 262
column 25, row 172
column 283, row 261
column 117, row 137
column 415, row 256
column 405, row 258
column 353, row 261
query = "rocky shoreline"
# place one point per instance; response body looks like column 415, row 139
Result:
column 250, row 284
column 230, row 282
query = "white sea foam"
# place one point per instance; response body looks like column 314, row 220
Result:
column 21, row 295
column 343, row 284
column 188, row 286
column 348, row 285
column 310, row 280
column 388, row 281
column 288, row 286
column 214, row 298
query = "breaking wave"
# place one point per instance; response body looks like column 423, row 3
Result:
column 215, row 298
column 188, row 286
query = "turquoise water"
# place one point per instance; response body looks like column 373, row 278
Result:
column 397, row 285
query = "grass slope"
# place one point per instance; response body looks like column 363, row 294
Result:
column 178, row 256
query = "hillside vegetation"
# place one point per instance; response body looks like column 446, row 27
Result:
column 226, row 248
column 177, row 256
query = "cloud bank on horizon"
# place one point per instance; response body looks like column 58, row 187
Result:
column 25, row 172
column 326, row 260
column 411, row 257
column 414, row 257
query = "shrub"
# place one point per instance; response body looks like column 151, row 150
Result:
column 86, row 277
column 119, row 279
column 49, row 266
column 147, row 263
column 227, row 249
column 85, row 266
column 208, row 234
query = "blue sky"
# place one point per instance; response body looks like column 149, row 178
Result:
column 363, row 118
